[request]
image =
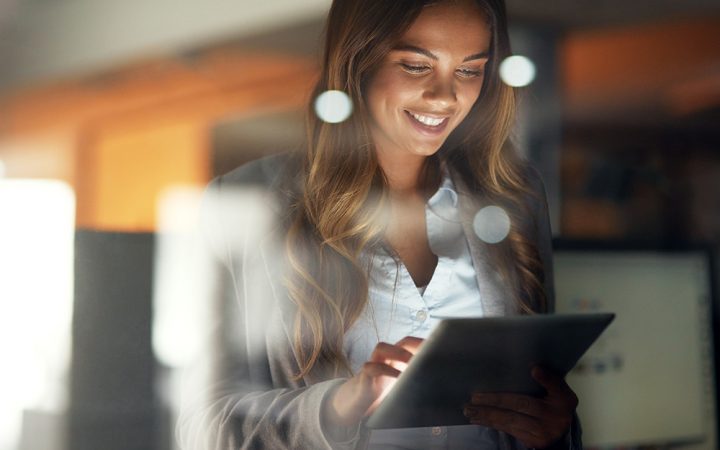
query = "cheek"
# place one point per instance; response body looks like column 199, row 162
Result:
column 377, row 95
column 468, row 95
column 389, row 92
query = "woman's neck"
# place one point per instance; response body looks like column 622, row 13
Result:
column 408, row 175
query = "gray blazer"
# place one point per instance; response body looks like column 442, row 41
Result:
column 261, row 405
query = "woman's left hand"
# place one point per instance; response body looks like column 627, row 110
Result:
column 536, row 422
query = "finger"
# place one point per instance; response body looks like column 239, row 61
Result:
column 375, row 369
column 524, row 404
column 410, row 343
column 548, row 379
column 556, row 387
column 381, row 377
column 386, row 353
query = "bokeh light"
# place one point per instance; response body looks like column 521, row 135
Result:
column 517, row 71
column 333, row 106
column 491, row 224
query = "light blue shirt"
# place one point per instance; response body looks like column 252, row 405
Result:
column 397, row 308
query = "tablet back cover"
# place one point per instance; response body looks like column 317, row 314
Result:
column 467, row 355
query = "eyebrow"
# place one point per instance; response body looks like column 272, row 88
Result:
column 415, row 49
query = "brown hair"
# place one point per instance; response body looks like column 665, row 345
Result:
column 338, row 214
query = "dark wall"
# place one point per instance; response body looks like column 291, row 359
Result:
column 112, row 399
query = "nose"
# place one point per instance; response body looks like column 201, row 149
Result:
column 440, row 92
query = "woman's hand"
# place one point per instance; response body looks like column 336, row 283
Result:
column 536, row 422
column 361, row 394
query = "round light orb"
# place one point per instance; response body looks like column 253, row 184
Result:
column 517, row 71
column 333, row 106
column 491, row 224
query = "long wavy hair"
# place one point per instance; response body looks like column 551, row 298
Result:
column 339, row 210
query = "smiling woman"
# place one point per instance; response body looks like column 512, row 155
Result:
column 429, row 81
column 376, row 218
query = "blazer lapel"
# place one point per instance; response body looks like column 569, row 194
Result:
column 492, row 287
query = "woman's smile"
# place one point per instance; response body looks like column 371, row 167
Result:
column 428, row 125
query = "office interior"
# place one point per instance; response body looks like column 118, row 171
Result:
column 115, row 115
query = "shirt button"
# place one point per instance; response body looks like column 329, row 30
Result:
column 421, row 315
column 436, row 431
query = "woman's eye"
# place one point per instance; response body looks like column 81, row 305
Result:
column 470, row 73
column 413, row 68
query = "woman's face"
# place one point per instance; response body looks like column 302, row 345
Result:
column 427, row 84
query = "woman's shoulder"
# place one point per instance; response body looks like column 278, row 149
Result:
column 536, row 196
column 533, row 179
column 245, row 204
column 528, row 184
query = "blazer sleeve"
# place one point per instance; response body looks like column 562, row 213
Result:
column 573, row 440
column 257, row 405
column 543, row 234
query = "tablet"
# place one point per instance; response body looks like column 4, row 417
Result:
column 493, row 354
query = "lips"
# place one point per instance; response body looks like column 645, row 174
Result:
column 426, row 124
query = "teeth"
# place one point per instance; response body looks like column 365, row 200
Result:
column 428, row 120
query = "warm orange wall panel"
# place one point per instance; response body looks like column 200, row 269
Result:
column 130, row 134
column 48, row 153
column 637, row 65
column 131, row 168
column 151, row 85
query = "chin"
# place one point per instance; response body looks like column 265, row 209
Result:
column 427, row 150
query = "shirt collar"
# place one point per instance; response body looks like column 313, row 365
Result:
column 446, row 195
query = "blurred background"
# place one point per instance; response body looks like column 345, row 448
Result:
column 115, row 115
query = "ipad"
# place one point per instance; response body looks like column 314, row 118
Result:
column 493, row 354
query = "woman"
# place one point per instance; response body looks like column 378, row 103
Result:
column 376, row 225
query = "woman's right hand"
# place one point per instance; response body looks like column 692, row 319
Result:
column 361, row 394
